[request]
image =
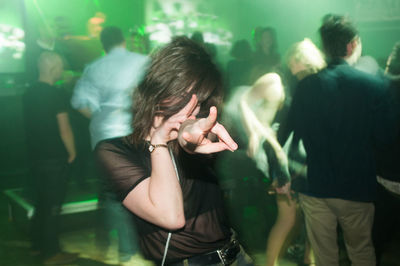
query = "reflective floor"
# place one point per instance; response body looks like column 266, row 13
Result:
column 78, row 235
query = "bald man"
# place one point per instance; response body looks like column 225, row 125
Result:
column 51, row 149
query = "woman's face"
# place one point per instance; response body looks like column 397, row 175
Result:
column 266, row 42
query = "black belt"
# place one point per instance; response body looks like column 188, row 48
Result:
column 226, row 255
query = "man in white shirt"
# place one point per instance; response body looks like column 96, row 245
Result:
column 104, row 91
column 104, row 95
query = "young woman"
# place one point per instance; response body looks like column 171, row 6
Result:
column 303, row 59
column 160, row 172
column 266, row 57
column 251, row 112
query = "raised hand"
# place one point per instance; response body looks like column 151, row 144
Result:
column 194, row 135
column 283, row 190
column 165, row 131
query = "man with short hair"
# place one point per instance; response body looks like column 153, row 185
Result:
column 51, row 148
column 340, row 114
column 104, row 95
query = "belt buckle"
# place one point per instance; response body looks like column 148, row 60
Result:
column 228, row 253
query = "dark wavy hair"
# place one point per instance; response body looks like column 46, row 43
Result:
column 336, row 32
column 180, row 69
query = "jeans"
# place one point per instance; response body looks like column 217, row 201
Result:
column 115, row 216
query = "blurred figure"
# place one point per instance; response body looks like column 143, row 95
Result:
column 104, row 91
column 43, row 39
column 303, row 59
column 387, row 204
column 257, row 106
column 238, row 69
column 266, row 57
column 138, row 42
column 393, row 62
column 197, row 36
column 340, row 114
column 103, row 94
column 95, row 25
column 364, row 63
column 51, row 149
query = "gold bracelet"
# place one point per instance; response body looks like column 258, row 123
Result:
column 152, row 147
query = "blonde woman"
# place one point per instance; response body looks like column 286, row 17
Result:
column 250, row 113
column 303, row 59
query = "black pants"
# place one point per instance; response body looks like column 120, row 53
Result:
column 48, row 187
column 386, row 221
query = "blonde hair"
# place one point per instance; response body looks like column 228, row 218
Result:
column 307, row 54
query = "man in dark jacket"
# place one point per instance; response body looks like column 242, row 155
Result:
column 340, row 114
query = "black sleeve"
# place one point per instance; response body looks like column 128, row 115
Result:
column 289, row 122
column 121, row 165
column 60, row 101
column 385, row 115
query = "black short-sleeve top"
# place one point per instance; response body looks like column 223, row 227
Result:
column 206, row 228
column 42, row 103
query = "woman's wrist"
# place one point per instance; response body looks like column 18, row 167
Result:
column 155, row 140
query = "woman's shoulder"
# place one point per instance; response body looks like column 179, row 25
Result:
column 119, row 146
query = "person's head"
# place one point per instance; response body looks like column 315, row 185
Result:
column 138, row 42
column 340, row 38
column 197, row 36
column 266, row 96
column 94, row 25
column 241, row 50
column 179, row 70
column 50, row 67
column 393, row 62
column 304, row 58
column 265, row 40
column 111, row 37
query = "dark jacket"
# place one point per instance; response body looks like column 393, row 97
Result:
column 341, row 114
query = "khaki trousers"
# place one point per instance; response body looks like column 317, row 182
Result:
column 355, row 218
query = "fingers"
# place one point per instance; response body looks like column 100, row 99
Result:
column 224, row 136
column 190, row 138
column 207, row 123
column 187, row 111
column 200, row 128
column 212, row 147
column 285, row 190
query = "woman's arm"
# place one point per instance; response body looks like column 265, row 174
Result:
column 257, row 132
column 263, row 135
column 158, row 199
